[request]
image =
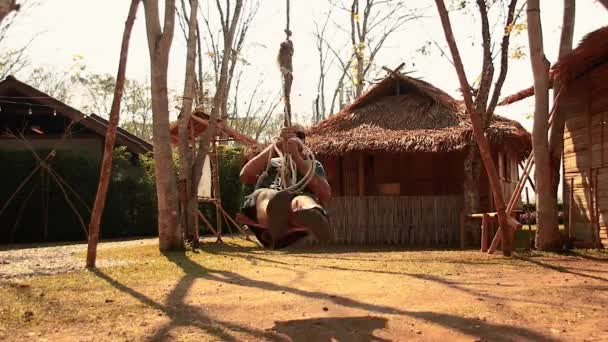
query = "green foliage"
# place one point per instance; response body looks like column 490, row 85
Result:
column 130, row 205
column 231, row 190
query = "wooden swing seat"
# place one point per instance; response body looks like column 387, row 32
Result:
column 263, row 234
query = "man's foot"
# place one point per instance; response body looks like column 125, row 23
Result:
column 278, row 210
column 316, row 220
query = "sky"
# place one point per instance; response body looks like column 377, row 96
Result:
column 92, row 30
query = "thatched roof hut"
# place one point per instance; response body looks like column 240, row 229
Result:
column 405, row 115
column 395, row 161
column 584, row 105
column 589, row 55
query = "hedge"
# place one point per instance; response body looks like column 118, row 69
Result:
column 130, row 207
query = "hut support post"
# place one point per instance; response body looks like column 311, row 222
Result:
column 361, row 174
column 463, row 221
column 570, row 206
column 485, row 234
column 528, row 207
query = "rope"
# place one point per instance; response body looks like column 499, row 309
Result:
column 289, row 182
column 287, row 169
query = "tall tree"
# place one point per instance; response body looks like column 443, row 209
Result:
column 218, row 41
column 482, row 107
column 159, row 44
column 371, row 23
column 556, row 134
column 319, row 107
column 224, row 56
column 185, row 149
column 106, row 164
column 547, row 235
column 6, row 7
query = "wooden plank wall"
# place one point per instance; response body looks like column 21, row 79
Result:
column 581, row 130
column 402, row 220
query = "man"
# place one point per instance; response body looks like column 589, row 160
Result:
column 281, row 210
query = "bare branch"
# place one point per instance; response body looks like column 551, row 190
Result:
column 504, row 59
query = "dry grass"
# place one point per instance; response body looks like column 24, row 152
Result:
column 239, row 292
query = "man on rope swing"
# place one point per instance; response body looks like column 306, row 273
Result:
column 280, row 210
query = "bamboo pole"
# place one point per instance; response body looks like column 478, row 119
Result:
column 528, row 207
column 106, row 165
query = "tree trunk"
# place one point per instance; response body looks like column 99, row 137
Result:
column 506, row 227
column 159, row 43
column 106, row 164
column 6, row 7
column 556, row 135
column 220, row 94
column 185, row 150
column 547, row 235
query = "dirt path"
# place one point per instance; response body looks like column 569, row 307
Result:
column 242, row 293
column 19, row 261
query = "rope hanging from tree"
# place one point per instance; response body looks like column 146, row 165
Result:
column 288, row 170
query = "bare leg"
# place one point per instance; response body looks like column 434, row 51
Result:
column 262, row 204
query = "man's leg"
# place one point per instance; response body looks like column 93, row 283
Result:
column 261, row 204
column 308, row 213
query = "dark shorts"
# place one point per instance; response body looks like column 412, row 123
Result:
column 249, row 208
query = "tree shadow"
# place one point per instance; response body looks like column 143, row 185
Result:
column 455, row 285
column 182, row 314
column 462, row 324
column 332, row 329
column 558, row 268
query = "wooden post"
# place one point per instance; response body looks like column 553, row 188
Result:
column 528, row 207
column 361, row 174
column 216, row 194
column 463, row 220
column 501, row 171
column 484, row 233
column 570, row 206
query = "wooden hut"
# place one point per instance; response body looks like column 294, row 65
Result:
column 395, row 161
column 43, row 120
column 583, row 100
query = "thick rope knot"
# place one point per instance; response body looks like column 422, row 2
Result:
column 288, row 172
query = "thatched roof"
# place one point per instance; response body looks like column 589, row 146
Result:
column 199, row 122
column 591, row 53
column 404, row 114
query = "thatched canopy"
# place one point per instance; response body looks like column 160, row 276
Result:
column 404, row 114
column 199, row 122
column 591, row 53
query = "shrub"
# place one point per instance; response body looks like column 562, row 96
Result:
column 231, row 190
column 130, row 205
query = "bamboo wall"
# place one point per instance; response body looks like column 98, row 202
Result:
column 402, row 220
column 588, row 170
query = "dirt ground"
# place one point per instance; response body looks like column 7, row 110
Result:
column 238, row 292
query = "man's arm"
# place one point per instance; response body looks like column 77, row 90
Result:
column 317, row 184
column 251, row 170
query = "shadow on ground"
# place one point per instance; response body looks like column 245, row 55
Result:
column 180, row 313
column 332, row 329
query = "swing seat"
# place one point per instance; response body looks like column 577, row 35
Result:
column 263, row 234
